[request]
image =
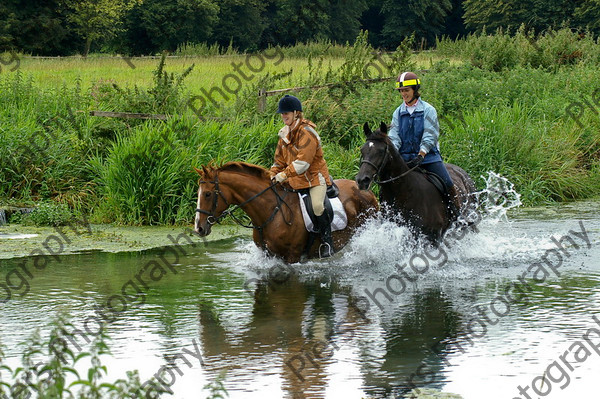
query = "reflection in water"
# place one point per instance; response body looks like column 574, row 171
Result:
column 293, row 325
column 409, row 336
column 302, row 326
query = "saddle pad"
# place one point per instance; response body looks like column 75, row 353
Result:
column 340, row 219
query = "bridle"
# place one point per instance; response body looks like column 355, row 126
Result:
column 212, row 219
column 379, row 168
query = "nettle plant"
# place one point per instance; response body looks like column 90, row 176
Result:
column 58, row 377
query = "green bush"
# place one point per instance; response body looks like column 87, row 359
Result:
column 142, row 176
column 165, row 97
column 502, row 50
column 539, row 157
column 493, row 52
column 48, row 214
column 42, row 139
column 204, row 49
column 318, row 48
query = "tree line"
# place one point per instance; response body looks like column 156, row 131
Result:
column 142, row 27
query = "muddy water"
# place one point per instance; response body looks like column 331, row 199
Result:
column 480, row 316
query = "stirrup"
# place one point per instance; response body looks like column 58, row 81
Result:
column 328, row 251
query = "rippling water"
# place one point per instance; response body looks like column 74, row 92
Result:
column 311, row 330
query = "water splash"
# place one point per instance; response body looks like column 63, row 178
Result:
column 384, row 242
column 498, row 197
column 2, row 217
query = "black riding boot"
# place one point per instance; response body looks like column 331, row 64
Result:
column 324, row 225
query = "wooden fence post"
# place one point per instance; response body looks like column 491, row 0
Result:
column 262, row 100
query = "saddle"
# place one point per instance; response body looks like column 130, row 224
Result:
column 452, row 210
column 333, row 206
column 436, row 181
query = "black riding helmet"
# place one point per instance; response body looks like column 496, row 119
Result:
column 289, row 104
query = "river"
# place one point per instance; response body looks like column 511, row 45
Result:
column 499, row 313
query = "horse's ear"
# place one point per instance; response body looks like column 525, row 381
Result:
column 367, row 129
column 383, row 128
column 198, row 171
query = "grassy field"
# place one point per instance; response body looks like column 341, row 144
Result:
column 208, row 71
column 529, row 113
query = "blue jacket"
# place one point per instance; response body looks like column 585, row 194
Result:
column 417, row 132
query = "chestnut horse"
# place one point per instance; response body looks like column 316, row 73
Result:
column 274, row 210
column 408, row 191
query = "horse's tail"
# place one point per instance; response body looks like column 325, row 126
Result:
column 470, row 202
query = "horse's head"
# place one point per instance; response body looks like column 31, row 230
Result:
column 374, row 155
column 211, row 202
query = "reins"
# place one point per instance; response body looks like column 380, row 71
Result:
column 396, row 177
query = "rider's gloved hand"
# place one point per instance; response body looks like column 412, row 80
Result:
column 279, row 178
column 416, row 161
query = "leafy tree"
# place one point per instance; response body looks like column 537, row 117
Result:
column 587, row 15
column 271, row 31
column 491, row 15
column 301, row 21
column 240, row 22
column 35, row 26
column 534, row 14
column 423, row 17
column 97, row 19
column 344, row 19
column 543, row 14
column 454, row 23
column 293, row 21
column 372, row 21
column 157, row 25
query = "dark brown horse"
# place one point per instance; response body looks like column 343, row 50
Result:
column 409, row 192
column 273, row 210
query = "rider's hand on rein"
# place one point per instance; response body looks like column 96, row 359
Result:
column 416, row 161
column 279, row 177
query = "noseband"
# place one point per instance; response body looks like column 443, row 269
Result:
column 211, row 218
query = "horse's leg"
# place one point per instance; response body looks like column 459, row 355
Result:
column 282, row 241
column 435, row 237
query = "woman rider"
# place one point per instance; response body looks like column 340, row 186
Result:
column 415, row 132
column 299, row 162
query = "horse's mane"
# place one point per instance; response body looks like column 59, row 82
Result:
column 209, row 171
column 378, row 136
